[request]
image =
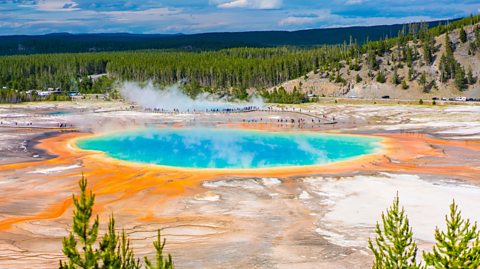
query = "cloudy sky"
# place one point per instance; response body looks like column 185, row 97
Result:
column 194, row 16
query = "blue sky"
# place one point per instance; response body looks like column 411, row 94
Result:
column 195, row 16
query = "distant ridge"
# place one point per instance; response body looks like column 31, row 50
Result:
column 66, row 42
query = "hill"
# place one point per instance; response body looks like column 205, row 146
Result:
column 64, row 42
column 400, row 76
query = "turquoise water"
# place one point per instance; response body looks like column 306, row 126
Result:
column 57, row 113
column 229, row 148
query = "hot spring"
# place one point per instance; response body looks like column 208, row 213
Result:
column 229, row 148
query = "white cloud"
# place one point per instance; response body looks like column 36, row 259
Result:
column 147, row 12
column 46, row 16
column 298, row 20
column 252, row 4
column 234, row 4
column 354, row 2
column 323, row 18
column 56, row 5
column 317, row 16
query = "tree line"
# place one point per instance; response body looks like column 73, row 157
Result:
column 232, row 71
column 66, row 43
column 212, row 71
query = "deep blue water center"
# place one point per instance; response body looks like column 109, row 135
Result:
column 229, row 148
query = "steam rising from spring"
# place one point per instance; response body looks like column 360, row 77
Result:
column 173, row 98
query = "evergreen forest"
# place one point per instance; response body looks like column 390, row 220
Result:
column 229, row 71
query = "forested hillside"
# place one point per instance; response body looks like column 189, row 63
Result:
column 233, row 71
column 436, row 63
column 61, row 43
column 239, row 67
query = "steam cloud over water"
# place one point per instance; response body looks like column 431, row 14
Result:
column 173, row 98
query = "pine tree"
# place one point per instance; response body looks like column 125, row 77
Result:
column 423, row 81
column 410, row 73
column 428, row 45
column 409, row 56
column 460, row 78
column 380, row 77
column 116, row 251
column 470, row 78
column 472, row 48
column 444, row 76
column 83, row 231
column 427, row 53
column 463, row 35
column 372, row 60
column 449, row 67
column 458, row 247
column 161, row 261
column 340, row 79
column 358, row 78
column 448, row 45
column 394, row 247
